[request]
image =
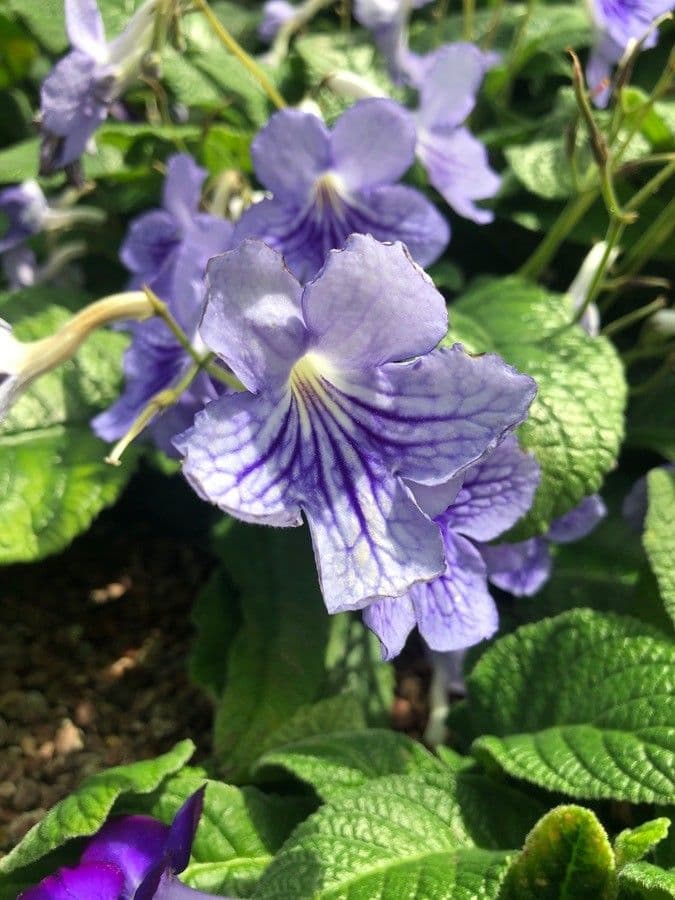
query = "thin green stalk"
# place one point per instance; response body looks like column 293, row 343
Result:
column 666, row 367
column 634, row 316
column 650, row 240
column 641, row 353
column 662, row 86
column 651, row 187
column 614, row 232
column 469, row 13
column 571, row 215
column 238, row 51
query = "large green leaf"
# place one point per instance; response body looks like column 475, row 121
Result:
column 632, row 844
column 567, row 856
column 659, row 534
column 644, row 881
column 582, row 704
column 83, row 812
column 53, row 478
column 575, row 425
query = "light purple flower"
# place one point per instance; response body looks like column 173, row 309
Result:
column 327, row 185
column 130, row 858
column 388, row 22
column 275, row 14
column 617, row 24
column 77, row 94
column 167, row 249
column 457, row 163
column 25, row 207
column 456, row 610
column 523, row 568
column 346, row 397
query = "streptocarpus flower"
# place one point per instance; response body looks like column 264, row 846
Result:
column 130, row 858
column 456, row 610
column 456, row 162
column 327, row 185
column 388, row 22
column 168, row 250
column 78, row 93
column 346, row 397
column 618, row 23
column 523, row 568
column 275, row 14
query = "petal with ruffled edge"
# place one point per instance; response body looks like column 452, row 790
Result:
column 359, row 289
column 578, row 522
column 451, row 83
column 456, row 610
column 458, row 167
column 254, row 324
column 372, row 143
column 290, row 153
column 495, row 493
column 88, row 881
column 85, row 28
column 521, row 569
column 432, row 418
column 391, row 620
column 182, row 190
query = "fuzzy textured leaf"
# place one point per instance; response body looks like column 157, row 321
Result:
column 659, row 534
column 644, row 881
column 634, row 843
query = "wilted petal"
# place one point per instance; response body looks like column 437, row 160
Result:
column 578, row 522
column 521, row 569
column 372, row 143
column 391, row 620
column 495, row 493
column 88, row 881
column 458, row 167
column 390, row 289
column 456, row 610
column 290, row 153
column 254, row 324
column 85, row 28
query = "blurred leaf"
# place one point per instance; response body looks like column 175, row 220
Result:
column 643, row 881
column 651, row 419
column 659, row 534
column 224, row 149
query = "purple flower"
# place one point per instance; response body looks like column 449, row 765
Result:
column 168, row 250
column 456, row 610
column 457, row 164
column 388, row 22
column 345, row 397
column 77, row 94
column 634, row 507
column 617, row 24
column 25, row 208
column 523, row 568
column 275, row 14
column 330, row 184
column 130, row 858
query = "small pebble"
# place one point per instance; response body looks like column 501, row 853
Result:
column 68, row 738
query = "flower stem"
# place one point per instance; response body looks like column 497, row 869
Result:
column 650, row 240
column 469, row 10
column 571, row 215
column 614, row 232
column 634, row 316
column 244, row 58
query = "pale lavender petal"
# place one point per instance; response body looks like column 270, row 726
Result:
column 433, row 417
column 183, row 188
column 133, row 844
column 391, row 620
column 634, row 507
column 521, row 569
column 578, row 522
column 25, row 208
column 456, row 610
column 452, row 81
column 170, row 888
column 85, row 28
column 435, row 499
column 389, row 288
column 254, row 324
column 372, row 143
column 458, row 167
column 88, row 881
column 150, row 240
column 601, row 61
column 275, row 14
column 243, row 454
column 290, row 153
column 20, row 267
column 374, row 14
column 495, row 493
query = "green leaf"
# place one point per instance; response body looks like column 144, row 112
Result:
column 651, row 419
column 216, row 618
column 632, row 844
column 575, row 425
column 272, row 670
column 337, row 761
column 82, row 813
column 392, row 838
column 19, row 162
column 659, row 534
column 343, row 712
column 599, row 723
column 566, row 857
column 643, row 880
column 53, row 478
column 224, row 148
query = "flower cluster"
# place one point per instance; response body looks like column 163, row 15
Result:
column 130, row 858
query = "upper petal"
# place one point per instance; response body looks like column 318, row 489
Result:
column 133, row 844
column 252, row 318
column 183, row 187
column 578, row 522
column 451, row 83
column 495, row 493
column 456, row 610
column 359, row 289
column 372, row 143
column 152, row 237
column 85, row 28
column 521, row 569
column 88, row 881
column 182, row 831
column 391, row 620
column 290, row 153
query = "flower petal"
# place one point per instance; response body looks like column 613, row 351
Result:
column 150, row 241
column 372, row 143
column 521, row 569
column 456, row 610
column 88, row 881
column 290, row 153
column 359, row 289
column 253, row 324
column 391, row 620
column 133, row 844
column 85, row 28
column 182, row 191
column 182, row 831
column 495, row 493
column 448, row 90
column 242, row 454
column 458, row 167
column 578, row 522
